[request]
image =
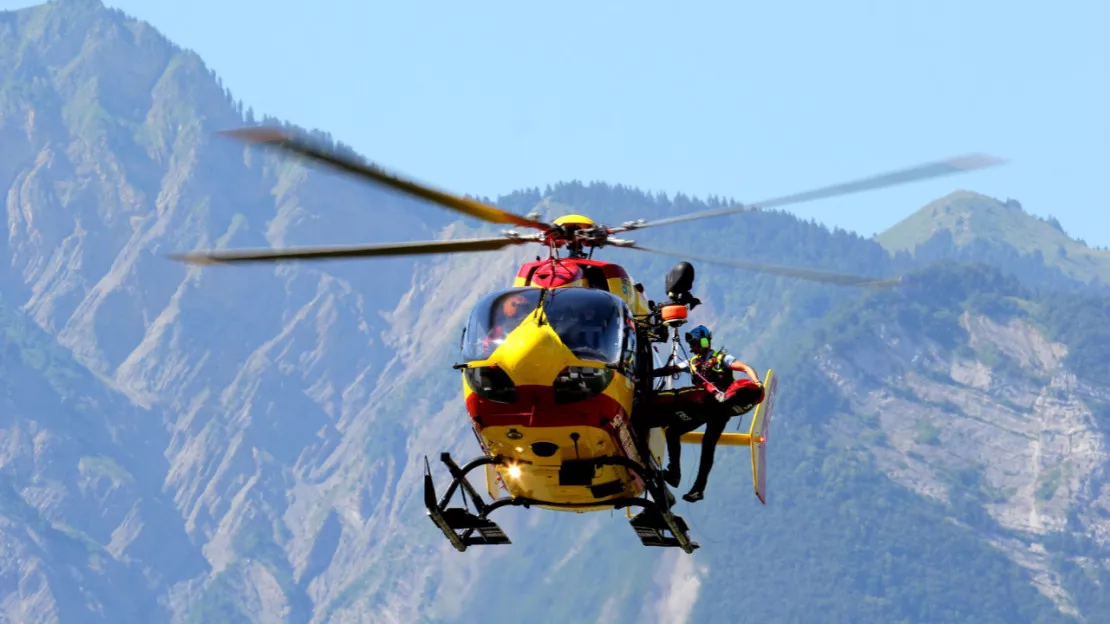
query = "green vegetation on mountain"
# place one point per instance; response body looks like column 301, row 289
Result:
column 832, row 501
column 1082, row 323
column 974, row 218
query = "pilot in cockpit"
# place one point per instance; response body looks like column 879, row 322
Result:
column 591, row 327
column 506, row 318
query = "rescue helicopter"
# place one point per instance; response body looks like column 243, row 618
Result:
column 556, row 367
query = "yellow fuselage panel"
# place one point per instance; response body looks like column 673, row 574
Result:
column 539, row 476
column 623, row 288
column 532, row 354
column 538, row 435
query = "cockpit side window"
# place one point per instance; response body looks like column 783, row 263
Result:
column 494, row 317
column 628, row 355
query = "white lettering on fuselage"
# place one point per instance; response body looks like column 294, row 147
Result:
column 625, row 436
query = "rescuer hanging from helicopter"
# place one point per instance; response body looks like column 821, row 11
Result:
column 715, row 397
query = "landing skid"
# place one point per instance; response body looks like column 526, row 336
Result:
column 465, row 528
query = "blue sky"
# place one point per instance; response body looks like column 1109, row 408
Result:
column 741, row 99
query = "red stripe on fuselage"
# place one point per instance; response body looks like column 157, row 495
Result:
column 608, row 269
column 535, row 407
column 613, row 271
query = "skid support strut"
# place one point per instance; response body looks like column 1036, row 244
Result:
column 464, row 528
column 458, row 524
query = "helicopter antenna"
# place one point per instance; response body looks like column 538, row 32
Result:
column 553, row 256
column 666, row 382
column 540, row 306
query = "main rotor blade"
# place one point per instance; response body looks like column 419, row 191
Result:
column 358, row 251
column 812, row 275
column 274, row 137
column 893, row 178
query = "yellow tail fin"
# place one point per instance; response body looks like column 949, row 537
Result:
column 757, row 435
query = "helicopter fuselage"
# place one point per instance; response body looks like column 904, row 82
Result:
column 554, row 388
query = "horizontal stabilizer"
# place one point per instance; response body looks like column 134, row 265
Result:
column 727, row 439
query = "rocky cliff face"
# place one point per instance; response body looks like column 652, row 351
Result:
column 256, row 387
column 246, row 443
column 289, row 408
column 992, row 421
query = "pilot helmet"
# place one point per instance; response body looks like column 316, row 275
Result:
column 513, row 305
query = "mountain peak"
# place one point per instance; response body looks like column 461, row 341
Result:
column 54, row 5
column 967, row 215
column 973, row 217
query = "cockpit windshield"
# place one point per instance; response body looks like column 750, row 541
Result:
column 494, row 317
column 593, row 324
column 589, row 322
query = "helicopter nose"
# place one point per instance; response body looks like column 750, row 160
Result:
column 533, row 355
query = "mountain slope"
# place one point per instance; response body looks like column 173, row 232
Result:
column 968, row 397
column 81, row 506
column 968, row 217
column 95, row 200
column 291, row 406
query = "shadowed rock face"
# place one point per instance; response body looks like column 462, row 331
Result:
column 246, row 443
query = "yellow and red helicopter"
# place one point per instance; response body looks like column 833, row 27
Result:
column 556, row 368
